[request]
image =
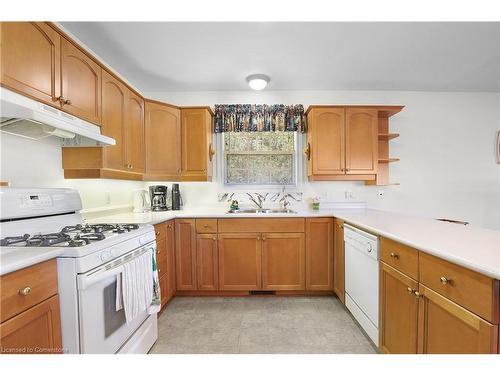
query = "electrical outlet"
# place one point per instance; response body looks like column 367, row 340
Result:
column 380, row 194
column 348, row 194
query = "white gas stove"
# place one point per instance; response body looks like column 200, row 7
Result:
column 92, row 257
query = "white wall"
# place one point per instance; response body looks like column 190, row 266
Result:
column 446, row 147
column 447, row 166
column 27, row 163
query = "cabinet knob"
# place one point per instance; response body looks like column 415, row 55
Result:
column 394, row 255
column 410, row 290
column 211, row 152
column 417, row 294
column 159, row 270
column 264, row 238
column 157, row 233
column 214, row 238
column 25, row 291
column 445, row 280
column 67, row 101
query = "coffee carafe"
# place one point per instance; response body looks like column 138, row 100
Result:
column 158, row 197
column 176, row 197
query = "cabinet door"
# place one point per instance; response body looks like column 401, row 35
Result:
column 185, row 254
column 37, row 330
column 171, row 271
column 326, row 126
column 134, row 133
column 398, row 312
column 361, row 141
column 283, row 261
column 207, row 262
column 240, row 261
column 319, row 254
column 447, row 328
column 80, row 83
column 162, row 133
column 338, row 260
column 30, row 60
column 195, row 128
column 114, row 97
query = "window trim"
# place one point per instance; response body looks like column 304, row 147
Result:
column 221, row 167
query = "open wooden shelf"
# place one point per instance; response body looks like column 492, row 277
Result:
column 389, row 160
column 387, row 136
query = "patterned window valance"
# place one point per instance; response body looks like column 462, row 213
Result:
column 259, row 118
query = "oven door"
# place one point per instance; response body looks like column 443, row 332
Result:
column 103, row 329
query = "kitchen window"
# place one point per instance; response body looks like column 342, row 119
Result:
column 260, row 158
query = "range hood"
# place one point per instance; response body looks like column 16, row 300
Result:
column 28, row 118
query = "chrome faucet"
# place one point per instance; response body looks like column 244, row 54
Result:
column 260, row 199
column 284, row 198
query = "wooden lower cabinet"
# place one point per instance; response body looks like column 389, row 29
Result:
column 207, row 262
column 447, row 328
column 398, row 312
column 283, row 261
column 240, row 261
column 185, row 254
column 319, row 254
column 170, row 242
column 36, row 330
column 339, row 260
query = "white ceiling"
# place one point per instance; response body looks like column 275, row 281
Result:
column 187, row 56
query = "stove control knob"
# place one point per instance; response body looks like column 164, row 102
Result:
column 105, row 255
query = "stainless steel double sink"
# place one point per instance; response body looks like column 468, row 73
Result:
column 262, row 211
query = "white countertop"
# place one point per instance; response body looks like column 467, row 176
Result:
column 474, row 248
column 15, row 258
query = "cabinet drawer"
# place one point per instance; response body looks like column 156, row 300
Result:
column 206, row 225
column 40, row 278
column 160, row 231
column 262, row 225
column 401, row 257
column 475, row 292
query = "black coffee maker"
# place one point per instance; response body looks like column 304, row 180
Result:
column 176, row 197
column 158, row 197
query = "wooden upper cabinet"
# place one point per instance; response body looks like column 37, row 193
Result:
column 319, row 254
column 134, row 133
column 80, row 83
column 207, row 262
column 339, row 260
column 398, row 312
column 185, row 254
column 447, row 328
column 31, row 60
column 361, row 141
column 283, row 261
column 326, row 141
column 240, row 257
column 162, row 135
column 196, row 144
column 114, row 113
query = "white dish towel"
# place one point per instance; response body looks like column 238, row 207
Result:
column 134, row 287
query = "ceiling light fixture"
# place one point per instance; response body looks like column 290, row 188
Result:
column 258, row 81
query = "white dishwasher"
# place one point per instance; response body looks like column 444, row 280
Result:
column 361, row 278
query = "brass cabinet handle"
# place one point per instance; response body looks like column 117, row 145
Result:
column 67, row 101
column 263, row 238
column 157, row 233
column 445, row 280
column 25, row 291
column 307, row 151
column 417, row 294
column 258, row 238
column 205, row 226
column 394, row 255
column 214, row 238
column 211, row 152
column 410, row 290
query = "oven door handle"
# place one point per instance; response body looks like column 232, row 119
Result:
column 84, row 281
column 88, row 279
